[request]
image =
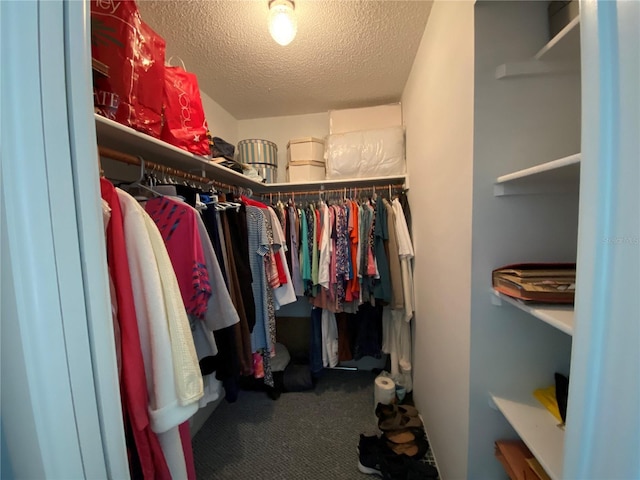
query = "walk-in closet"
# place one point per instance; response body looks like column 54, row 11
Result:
column 248, row 300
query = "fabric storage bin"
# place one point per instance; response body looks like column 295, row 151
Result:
column 307, row 148
column 255, row 150
column 305, row 171
column 374, row 153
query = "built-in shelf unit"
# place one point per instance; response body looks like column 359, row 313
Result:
column 539, row 225
column 119, row 137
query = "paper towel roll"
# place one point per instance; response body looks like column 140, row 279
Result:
column 405, row 373
column 385, row 391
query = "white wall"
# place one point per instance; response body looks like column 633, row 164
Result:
column 221, row 123
column 438, row 114
column 282, row 129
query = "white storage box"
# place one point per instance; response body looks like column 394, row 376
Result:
column 307, row 148
column 368, row 118
column 305, row 171
column 374, row 153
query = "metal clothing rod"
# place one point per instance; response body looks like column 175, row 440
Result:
column 344, row 191
column 131, row 160
column 351, row 191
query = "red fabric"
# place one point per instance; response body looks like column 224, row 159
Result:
column 185, row 438
column 282, row 277
column 185, row 125
column 133, row 386
column 177, row 224
column 253, row 203
column 318, row 228
column 134, row 54
column 353, row 285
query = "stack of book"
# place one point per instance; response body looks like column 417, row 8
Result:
column 537, row 282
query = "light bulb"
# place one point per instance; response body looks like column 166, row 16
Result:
column 282, row 21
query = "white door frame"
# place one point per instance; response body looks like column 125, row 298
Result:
column 603, row 415
column 61, row 414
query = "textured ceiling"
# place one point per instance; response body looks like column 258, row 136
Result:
column 347, row 53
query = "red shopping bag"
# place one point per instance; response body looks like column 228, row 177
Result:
column 185, row 125
column 134, row 55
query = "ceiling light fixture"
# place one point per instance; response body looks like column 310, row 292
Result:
column 282, row 21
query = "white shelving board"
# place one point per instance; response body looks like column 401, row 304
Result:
column 127, row 140
column 565, row 46
column 537, row 428
column 561, row 175
column 561, row 54
column 558, row 316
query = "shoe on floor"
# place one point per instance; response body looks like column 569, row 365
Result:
column 420, row 471
column 401, row 467
column 404, row 435
column 369, row 452
column 399, row 422
column 415, row 449
column 384, row 411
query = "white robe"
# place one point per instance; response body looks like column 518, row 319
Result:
column 168, row 352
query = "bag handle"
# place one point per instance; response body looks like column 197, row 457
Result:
column 181, row 61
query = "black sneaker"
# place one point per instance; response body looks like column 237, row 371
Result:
column 393, row 467
column 420, row 471
column 369, row 451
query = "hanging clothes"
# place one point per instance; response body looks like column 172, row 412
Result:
column 405, row 251
column 177, row 224
column 397, row 294
column 144, row 447
column 258, row 249
column 294, row 225
column 173, row 375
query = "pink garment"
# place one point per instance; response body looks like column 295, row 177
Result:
column 258, row 365
column 177, row 224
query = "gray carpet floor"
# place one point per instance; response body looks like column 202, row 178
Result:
column 301, row 436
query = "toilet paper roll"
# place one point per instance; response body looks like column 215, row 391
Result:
column 385, row 391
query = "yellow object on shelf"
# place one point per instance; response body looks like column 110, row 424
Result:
column 547, row 397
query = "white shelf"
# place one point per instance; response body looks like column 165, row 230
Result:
column 560, row 55
column 561, row 175
column 558, row 316
column 538, row 429
column 565, row 46
column 127, row 140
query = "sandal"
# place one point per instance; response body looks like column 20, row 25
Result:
column 384, row 411
column 399, row 422
column 400, row 436
column 409, row 449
